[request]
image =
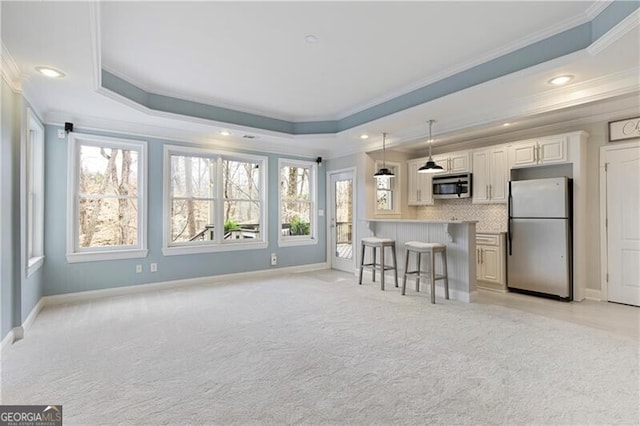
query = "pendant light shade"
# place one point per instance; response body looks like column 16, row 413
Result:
column 430, row 166
column 383, row 172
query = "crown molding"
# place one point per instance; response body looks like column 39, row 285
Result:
column 10, row 70
column 96, row 43
column 150, row 88
column 596, row 8
column 615, row 33
column 479, row 60
column 262, row 144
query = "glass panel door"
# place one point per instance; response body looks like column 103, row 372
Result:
column 341, row 221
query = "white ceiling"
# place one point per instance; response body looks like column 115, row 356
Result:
column 252, row 57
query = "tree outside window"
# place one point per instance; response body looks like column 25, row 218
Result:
column 212, row 199
column 108, row 201
column 297, row 200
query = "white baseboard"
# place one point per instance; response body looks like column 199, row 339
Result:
column 141, row 288
column 17, row 333
column 592, row 294
column 33, row 314
column 8, row 340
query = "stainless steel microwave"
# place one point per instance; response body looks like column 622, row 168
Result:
column 452, row 186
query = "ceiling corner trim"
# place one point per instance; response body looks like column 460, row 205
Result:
column 615, row 19
column 615, row 33
column 10, row 70
column 96, row 43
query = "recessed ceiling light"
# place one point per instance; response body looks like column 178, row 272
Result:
column 225, row 133
column 50, row 72
column 364, row 136
column 560, row 80
column 506, row 124
column 248, row 136
column 311, row 39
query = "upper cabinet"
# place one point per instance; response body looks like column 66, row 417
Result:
column 538, row 152
column 420, row 191
column 490, row 175
column 454, row 162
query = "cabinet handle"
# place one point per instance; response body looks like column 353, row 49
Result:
column 486, row 191
column 478, row 256
column 535, row 154
column 482, row 256
column 419, row 195
column 489, row 191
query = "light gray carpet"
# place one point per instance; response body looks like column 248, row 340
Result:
column 317, row 349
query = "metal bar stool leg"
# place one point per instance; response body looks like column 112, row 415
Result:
column 395, row 263
column 406, row 269
column 361, row 264
column 381, row 268
column 433, row 277
column 373, row 270
column 446, row 274
column 418, row 257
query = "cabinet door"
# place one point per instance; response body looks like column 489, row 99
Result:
column 490, row 262
column 459, row 162
column 442, row 161
column 419, row 188
column 552, row 150
column 481, row 168
column 523, row 154
column 412, row 183
column 425, row 189
column 498, row 171
column 479, row 273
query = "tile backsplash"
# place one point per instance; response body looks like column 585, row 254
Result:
column 490, row 217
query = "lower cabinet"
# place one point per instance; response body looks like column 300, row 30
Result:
column 490, row 261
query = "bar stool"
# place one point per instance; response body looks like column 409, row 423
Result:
column 431, row 249
column 381, row 243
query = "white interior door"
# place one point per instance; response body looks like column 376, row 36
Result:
column 341, row 221
column 623, row 225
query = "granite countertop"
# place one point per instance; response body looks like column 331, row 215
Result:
column 421, row 221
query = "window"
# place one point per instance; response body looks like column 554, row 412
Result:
column 298, row 205
column 387, row 196
column 34, row 193
column 107, row 198
column 213, row 201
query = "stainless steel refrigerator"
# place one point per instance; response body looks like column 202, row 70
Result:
column 539, row 235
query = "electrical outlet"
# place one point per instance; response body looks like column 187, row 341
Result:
column 62, row 134
column 153, row 267
column 274, row 259
column 139, row 268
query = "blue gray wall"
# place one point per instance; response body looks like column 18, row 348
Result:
column 19, row 294
column 62, row 277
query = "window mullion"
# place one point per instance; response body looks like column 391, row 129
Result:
column 219, row 201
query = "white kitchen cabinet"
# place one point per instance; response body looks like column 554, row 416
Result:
column 490, row 261
column 490, row 175
column 537, row 152
column 420, row 190
column 454, row 162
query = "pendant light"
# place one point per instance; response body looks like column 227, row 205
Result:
column 430, row 166
column 384, row 172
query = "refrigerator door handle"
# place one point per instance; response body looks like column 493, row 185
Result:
column 509, row 208
column 509, row 237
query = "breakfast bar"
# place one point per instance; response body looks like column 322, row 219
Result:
column 458, row 235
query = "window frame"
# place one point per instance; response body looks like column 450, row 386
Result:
column 300, row 240
column 74, row 252
column 218, row 244
column 395, row 188
column 32, row 193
